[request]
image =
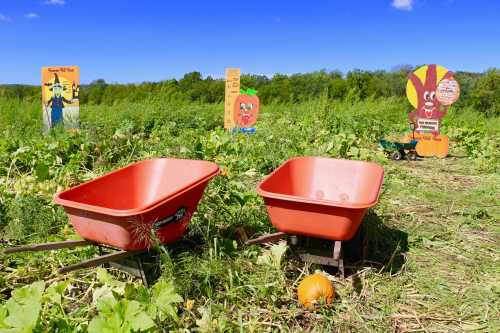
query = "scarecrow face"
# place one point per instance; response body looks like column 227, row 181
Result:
column 57, row 89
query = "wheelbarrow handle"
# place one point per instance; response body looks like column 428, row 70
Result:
column 48, row 246
column 179, row 215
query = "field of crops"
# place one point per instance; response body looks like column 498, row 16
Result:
column 432, row 259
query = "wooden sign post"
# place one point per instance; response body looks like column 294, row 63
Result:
column 232, row 91
column 60, row 96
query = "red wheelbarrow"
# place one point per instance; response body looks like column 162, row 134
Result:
column 323, row 198
column 132, row 208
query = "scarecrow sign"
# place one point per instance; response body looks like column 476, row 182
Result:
column 431, row 89
column 60, row 96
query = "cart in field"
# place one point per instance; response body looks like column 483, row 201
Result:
column 399, row 150
column 131, row 209
column 311, row 198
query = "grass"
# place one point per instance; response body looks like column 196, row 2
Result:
column 432, row 263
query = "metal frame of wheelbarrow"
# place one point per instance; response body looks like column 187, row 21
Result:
column 332, row 256
column 127, row 261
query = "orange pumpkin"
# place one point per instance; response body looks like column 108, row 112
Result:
column 246, row 108
column 430, row 145
column 313, row 288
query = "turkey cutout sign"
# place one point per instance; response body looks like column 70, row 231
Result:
column 246, row 108
column 431, row 89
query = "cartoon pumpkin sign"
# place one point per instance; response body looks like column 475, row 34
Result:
column 246, row 108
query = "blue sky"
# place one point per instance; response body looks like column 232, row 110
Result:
column 151, row 40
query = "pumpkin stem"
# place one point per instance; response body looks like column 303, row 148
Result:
column 248, row 91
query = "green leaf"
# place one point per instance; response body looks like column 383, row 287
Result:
column 103, row 297
column 248, row 91
column 30, row 293
column 42, row 171
column 136, row 316
column 123, row 316
column 22, row 318
column 55, row 291
column 137, row 292
column 251, row 91
column 110, row 284
column 105, row 278
column 164, row 298
column 3, row 315
column 21, row 312
column 98, row 325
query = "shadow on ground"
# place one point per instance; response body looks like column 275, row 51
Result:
column 385, row 246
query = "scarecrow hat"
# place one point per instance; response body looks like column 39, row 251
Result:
column 56, row 83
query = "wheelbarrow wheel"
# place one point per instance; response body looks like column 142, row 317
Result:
column 412, row 156
column 396, row 155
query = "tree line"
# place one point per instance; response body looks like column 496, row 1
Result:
column 478, row 90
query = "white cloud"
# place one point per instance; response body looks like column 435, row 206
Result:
column 55, row 2
column 31, row 16
column 4, row 18
column 403, row 4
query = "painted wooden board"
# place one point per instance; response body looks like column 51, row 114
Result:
column 432, row 145
column 430, row 89
column 246, row 109
column 60, row 96
column 231, row 93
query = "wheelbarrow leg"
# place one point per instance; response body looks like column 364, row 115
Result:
column 337, row 255
column 142, row 272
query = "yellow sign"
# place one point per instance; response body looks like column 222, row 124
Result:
column 423, row 82
column 232, row 91
column 60, row 96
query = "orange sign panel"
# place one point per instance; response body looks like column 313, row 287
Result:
column 432, row 145
column 246, row 109
column 60, row 96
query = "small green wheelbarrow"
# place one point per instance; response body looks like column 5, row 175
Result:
column 398, row 150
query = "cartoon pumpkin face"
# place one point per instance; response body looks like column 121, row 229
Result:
column 246, row 109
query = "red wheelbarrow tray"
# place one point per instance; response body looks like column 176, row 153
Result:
column 119, row 208
column 321, row 197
